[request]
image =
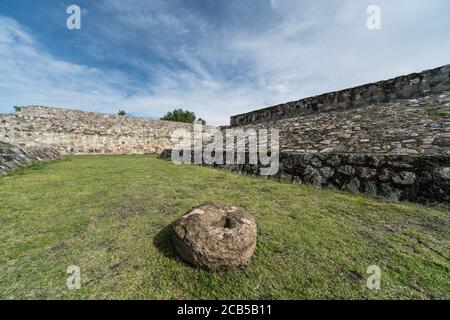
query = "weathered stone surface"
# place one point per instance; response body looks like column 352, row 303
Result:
column 353, row 185
column 385, row 175
column 313, row 176
column 404, row 177
column 403, row 127
column 390, row 192
column 327, row 172
column 347, row 170
column 367, row 173
column 80, row 132
column 444, row 173
column 215, row 236
column 435, row 80
column 370, row 188
column 404, row 151
column 442, row 139
column 12, row 157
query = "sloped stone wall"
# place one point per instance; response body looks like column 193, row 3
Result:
column 414, row 85
column 79, row 132
column 419, row 126
column 423, row 179
column 12, row 157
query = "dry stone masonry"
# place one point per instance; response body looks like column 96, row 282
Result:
column 423, row 179
column 389, row 139
column 12, row 157
column 79, row 132
column 418, row 126
column 405, row 87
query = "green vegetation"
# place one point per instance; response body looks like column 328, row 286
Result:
column 180, row 115
column 109, row 215
column 121, row 113
column 17, row 109
column 444, row 114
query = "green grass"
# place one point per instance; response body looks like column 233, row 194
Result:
column 109, row 216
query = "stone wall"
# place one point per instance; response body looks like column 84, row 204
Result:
column 418, row 126
column 12, row 157
column 397, row 177
column 412, row 178
column 79, row 132
column 414, row 85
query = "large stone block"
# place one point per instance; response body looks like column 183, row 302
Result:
column 215, row 236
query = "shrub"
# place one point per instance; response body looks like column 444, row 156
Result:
column 180, row 115
column 121, row 113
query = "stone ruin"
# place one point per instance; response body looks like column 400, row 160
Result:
column 12, row 157
column 389, row 139
column 80, row 132
column 215, row 236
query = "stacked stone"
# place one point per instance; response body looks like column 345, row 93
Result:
column 413, row 178
column 12, row 157
column 73, row 131
column 425, row 83
column 413, row 126
column 397, row 177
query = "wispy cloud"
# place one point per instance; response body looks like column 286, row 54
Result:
column 217, row 58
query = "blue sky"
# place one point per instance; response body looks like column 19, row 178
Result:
column 214, row 57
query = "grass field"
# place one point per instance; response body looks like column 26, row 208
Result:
column 109, row 216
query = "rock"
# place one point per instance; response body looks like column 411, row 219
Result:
column 353, row 185
column 404, row 177
column 326, row 150
column 12, row 157
column 390, row 192
column 431, row 152
column 327, row 172
column 444, row 173
column 385, row 175
column 442, row 139
column 367, row 173
column 340, row 148
column 358, row 159
column 316, row 162
column 313, row 176
column 407, row 91
column 404, row 151
column 334, row 160
column 370, row 188
column 375, row 160
column 215, row 236
column 347, row 170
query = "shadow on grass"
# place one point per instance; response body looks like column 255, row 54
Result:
column 163, row 242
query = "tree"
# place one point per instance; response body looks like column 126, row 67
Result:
column 180, row 115
column 121, row 113
column 17, row 109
